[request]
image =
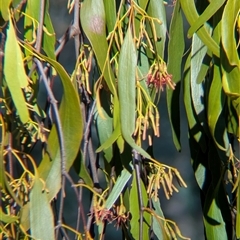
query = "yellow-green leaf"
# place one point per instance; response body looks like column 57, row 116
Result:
column 41, row 215
column 4, row 5
column 15, row 74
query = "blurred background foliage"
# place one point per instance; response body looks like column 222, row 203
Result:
column 92, row 119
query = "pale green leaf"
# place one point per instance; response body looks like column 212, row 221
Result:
column 15, row 74
column 41, row 216
column 122, row 180
column 127, row 90
column 229, row 18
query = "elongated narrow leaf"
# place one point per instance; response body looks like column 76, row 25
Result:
column 198, row 53
column 50, row 167
column 176, row 41
column 7, row 218
column 195, row 129
column 118, row 187
column 127, row 90
column 135, row 210
column 229, row 18
column 191, row 14
column 4, row 5
column 205, row 16
column 156, row 9
column 41, row 216
column 104, row 128
column 15, row 74
column 93, row 23
column 110, row 10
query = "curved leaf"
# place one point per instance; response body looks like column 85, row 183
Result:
column 50, row 167
column 191, row 15
column 127, row 90
column 14, row 64
column 4, row 5
column 229, row 18
column 205, row 16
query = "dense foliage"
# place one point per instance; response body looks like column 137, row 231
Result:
column 111, row 99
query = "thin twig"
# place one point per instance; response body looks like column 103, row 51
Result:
column 40, row 26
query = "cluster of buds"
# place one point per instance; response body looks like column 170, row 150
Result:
column 159, row 77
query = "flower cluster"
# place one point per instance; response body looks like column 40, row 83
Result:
column 159, row 77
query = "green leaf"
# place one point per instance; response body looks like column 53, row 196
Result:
column 93, row 23
column 156, row 9
column 49, row 37
column 122, row 180
column 198, row 53
column 41, row 216
column 229, row 18
column 111, row 17
column 4, row 5
column 15, row 74
column 104, row 129
column 135, row 210
column 195, row 129
column 50, row 167
column 127, row 90
column 191, row 14
column 216, row 101
column 24, row 216
column 81, row 169
column 205, row 16
column 7, row 218
column 175, row 53
column 159, row 231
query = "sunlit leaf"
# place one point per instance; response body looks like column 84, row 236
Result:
column 4, row 5
column 205, row 16
column 41, row 215
column 50, row 167
column 14, row 64
column 6, row 218
column 122, row 180
column 191, row 14
column 229, row 18
column 127, row 90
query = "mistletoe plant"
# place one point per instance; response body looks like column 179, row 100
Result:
column 110, row 99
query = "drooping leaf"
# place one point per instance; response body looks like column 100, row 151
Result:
column 127, row 90
column 156, row 9
column 205, row 16
column 159, row 231
column 191, row 14
column 104, row 128
column 93, row 23
column 31, row 22
column 229, row 18
column 14, row 72
column 110, row 10
column 176, row 41
column 122, row 180
column 135, row 210
column 50, row 167
column 198, row 53
column 4, row 5
column 41, row 215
